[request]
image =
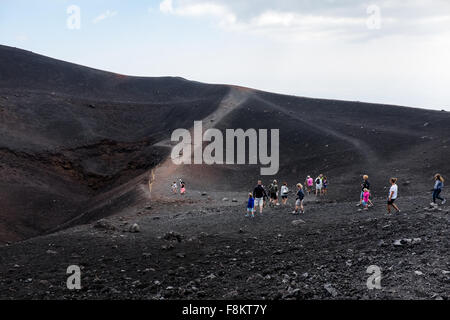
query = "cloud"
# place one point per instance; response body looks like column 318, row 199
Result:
column 105, row 15
column 166, row 6
column 200, row 9
column 302, row 19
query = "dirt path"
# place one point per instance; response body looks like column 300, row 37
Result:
column 164, row 174
column 362, row 147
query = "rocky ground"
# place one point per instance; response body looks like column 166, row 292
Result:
column 203, row 247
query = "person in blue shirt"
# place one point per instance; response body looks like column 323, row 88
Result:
column 438, row 186
column 299, row 200
column 250, row 206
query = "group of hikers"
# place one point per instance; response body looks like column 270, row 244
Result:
column 259, row 195
column 182, row 187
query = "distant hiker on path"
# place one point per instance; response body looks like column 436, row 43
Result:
column 182, row 187
column 259, row 194
column 364, row 185
column 438, row 186
column 250, row 206
column 299, row 200
column 284, row 193
column 174, row 187
column 309, row 184
column 393, row 193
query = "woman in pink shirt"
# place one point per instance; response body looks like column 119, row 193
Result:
column 309, row 184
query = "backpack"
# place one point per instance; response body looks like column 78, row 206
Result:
column 318, row 181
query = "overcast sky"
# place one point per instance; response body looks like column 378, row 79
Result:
column 387, row 51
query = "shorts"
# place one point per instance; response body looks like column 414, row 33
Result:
column 318, row 187
column 259, row 202
column 284, row 196
column 274, row 196
column 364, row 203
column 250, row 210
column 182, row 190
column 298, row 202
column 391, row 201
column 362, row 195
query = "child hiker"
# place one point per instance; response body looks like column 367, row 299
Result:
column 174, row 187
column 366, row 199
column 250, row 206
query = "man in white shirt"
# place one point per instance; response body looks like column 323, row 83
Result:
column 393, row 193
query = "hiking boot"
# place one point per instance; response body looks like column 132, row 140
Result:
column 444, row 201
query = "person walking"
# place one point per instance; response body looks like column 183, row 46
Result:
column 284, row 193
column 273, row 191
column 393, row 194
column 174, row 187
column 299, row 200
column 438, row 186
column 259, row 194
column 309, row 184
column 319, row 185
column 324, row 185
column 250, row 206
column 364, row 185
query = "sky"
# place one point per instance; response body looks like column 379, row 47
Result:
column 382, row 51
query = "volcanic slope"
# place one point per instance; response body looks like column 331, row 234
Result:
column 78, row 144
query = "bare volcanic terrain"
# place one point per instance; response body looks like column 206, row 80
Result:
column 78, row 145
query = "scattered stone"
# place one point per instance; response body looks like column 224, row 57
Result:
column 418, row 273
column 51, row 252
column 234, row 200
column 104, row 225
column 204, row 194
column 180, row 255
column 173, row 236
column 297, row 222
column 330, row 289
column 210, row 276
column 382, row 243
column 135, row 228
column 167, row 247
column 225, row 199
